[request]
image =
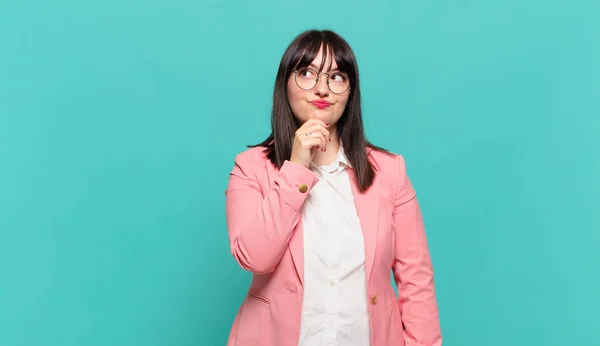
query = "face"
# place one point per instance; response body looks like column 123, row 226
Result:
column 319, row 102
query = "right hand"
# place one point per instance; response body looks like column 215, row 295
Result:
column 305, row 147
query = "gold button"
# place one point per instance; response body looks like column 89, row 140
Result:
column 303, row 188
column 374, row 300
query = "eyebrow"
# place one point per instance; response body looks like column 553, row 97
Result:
column 317, row 67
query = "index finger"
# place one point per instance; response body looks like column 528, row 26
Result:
column 316, row 121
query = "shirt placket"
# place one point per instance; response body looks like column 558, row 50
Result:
column 333, row 277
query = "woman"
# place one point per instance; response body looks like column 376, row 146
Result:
column 320, row 216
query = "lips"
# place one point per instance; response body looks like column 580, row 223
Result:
column 321, row 104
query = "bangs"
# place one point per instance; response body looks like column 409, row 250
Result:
column 310, row 46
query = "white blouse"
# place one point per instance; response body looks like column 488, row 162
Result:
column 335, row 310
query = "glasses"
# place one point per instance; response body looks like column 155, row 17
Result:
column 307, row 78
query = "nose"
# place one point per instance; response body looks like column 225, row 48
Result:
column 322, row 89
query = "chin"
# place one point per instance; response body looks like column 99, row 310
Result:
column 322, row 113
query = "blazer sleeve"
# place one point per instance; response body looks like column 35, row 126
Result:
column 261, row 224
column 413, row 270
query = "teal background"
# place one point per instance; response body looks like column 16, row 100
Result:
column 119, row 122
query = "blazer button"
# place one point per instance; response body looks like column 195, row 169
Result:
column 374, row 299
column 303, row 188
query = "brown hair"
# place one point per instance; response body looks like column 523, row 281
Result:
column 350, row 130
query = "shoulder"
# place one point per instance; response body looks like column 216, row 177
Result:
column 252, row 156
column 388, row 162
column 391, row 171
column 250, row 162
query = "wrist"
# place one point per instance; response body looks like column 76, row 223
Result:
column 300, row 162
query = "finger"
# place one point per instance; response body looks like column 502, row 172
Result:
column 310, row 126
column 312, row 143
column 316, row 137
column 320, row 129
column 313, row 131
column 322, row 141
column 311, row 122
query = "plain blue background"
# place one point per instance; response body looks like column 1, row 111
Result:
column 119, row 122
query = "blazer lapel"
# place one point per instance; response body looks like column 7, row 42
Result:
column 296, row 244
column 296, row 247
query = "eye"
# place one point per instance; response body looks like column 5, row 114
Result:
column 306, row 73
column 339, row 77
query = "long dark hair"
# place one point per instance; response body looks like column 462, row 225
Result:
column 350, row 130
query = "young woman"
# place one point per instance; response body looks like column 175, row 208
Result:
column 320, row 216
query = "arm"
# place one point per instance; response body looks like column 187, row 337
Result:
column 413, row 270
column 260, row 228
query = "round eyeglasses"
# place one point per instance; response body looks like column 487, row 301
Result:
column 307, row 78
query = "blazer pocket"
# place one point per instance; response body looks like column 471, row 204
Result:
column 259, row 298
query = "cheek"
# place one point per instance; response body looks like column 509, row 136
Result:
column 342, row 103
column 294, row 94
column 297, row 98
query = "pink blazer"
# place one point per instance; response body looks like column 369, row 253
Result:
column 264, row 223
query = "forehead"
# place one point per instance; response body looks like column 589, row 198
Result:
column 328, row 56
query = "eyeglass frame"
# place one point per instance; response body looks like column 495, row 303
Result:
column 295, row 72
